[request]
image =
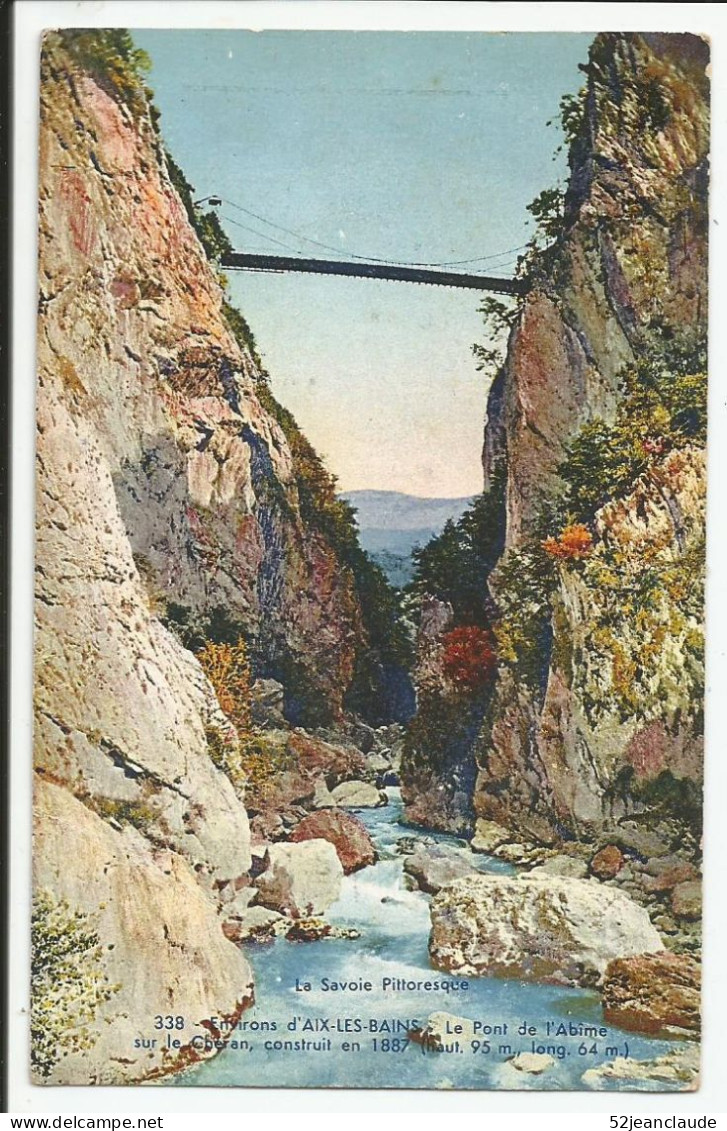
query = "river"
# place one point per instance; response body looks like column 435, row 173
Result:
column 358, row 1038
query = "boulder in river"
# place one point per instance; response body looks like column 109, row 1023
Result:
column 433, row 866
column 488, row 836
column 562, row 865
column 345, row 832
column 442, row 1028
column 300, row 879
column 256, row 924
column 534, row 1063
column 678, row 1067
column 536, row 928
column 358, row 795
column 658, row 994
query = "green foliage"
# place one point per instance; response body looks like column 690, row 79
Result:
column 572, row 115
column 387, row 643
column 68, row 984
column 134, row 813
column 455, row 565
column 243, row 335
column 663, row 406
column 646, row 642
column 498, row 318
column 211, row 234
column 109, row 55
column 195, row 629
column 524, row 583
column 547, row 210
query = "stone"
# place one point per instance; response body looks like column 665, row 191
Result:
column 488, row 836
column 322, row 796
column 345, row 832
column 533, row 1063
column 519, row 853
column 405, row 845
column 636, row 838
column 686, row 900
column 358, row 795
column 300, row 879
column 608, row 862
column 265, row 827
column 257, row 924
column 434, row 866
column 663, row 879
column 388, row 778
column 658, row 994
column 441, row 1029
column 377, row 764
column 163, row 946
column 362, row 736
column 267, row 697
column 333, row 761
column 536, row 928
column 561, row 865
column 311, row 930
column 678, row 1067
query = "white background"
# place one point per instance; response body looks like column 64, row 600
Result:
column 31, row 16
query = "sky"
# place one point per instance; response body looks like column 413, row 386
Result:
column 420, row 146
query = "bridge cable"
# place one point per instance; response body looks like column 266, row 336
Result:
column 365, row 258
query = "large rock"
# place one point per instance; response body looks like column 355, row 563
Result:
column 562, row 865
column 686, row 900
column 488, row 836
column 608, row 862
column 334, row 762
column 358, row 795
column 544, row 929
column 680, row 1067
column 657, row 994
column 345, row 832
column 300, row 879
column 162, row 943
column 441, row 1029
column 436, row 865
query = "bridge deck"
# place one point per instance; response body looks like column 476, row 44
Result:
column 241, row 261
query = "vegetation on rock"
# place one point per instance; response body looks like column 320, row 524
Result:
column 68, row 984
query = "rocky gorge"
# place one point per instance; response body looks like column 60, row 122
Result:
column 220, row 670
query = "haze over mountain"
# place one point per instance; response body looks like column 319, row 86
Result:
column 392, row 524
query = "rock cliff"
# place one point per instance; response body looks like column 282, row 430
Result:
column 595, row 714
column 166, row 502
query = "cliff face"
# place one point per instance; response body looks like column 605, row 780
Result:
column 595, row 713
column 609, row 716
column 164, row 489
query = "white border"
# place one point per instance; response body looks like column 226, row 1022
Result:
column 31, row 16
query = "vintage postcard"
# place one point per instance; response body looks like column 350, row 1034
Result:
column 370, row 528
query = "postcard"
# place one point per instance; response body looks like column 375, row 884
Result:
column 370, row 551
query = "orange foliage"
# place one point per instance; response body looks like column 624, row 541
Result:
column 468, row 658
column 573, row 542
column 227, row 668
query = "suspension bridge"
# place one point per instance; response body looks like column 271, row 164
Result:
column 241, row 261
column 359, row 266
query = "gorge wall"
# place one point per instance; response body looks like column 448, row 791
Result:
column 166, row 499
column 595, row 717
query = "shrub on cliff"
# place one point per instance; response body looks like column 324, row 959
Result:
column 110, row 57
column 469, row 661
column 573, row 543
column 663, row 406
column 68, row 985
column 455, row 565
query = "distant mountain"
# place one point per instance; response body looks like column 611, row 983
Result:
column 391, row 524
